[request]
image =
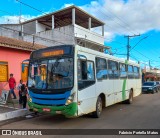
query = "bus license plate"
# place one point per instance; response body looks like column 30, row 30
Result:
column 46, row 109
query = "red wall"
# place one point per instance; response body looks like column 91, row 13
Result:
column 14, row 57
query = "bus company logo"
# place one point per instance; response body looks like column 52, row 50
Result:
column 6, row 132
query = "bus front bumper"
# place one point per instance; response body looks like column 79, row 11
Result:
column 67, row 110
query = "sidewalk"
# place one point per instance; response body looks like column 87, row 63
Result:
column 11, row 111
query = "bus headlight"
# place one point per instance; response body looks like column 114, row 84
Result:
column 68, row 102
column 70, row 99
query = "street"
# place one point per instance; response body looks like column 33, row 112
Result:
column 144, row 113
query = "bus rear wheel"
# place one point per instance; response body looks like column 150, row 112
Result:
column 98, row 111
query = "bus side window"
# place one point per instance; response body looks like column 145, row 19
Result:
column 101, row 68
column 113, row 70
column 85, row 74
column 123, row 70
column 130, row 71
column 136, row 72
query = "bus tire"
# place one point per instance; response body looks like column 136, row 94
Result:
column 35, row 113
column 98, row 111
column 130, row 100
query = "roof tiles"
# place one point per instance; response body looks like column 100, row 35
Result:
column 19, row 44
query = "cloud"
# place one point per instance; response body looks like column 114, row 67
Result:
column 126, row 17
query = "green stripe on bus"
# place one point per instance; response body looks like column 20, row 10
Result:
column 124, row 86
column 124, row 90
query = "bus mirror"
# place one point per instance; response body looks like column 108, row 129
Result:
column 82, row 57
column 23, row 66
column 24, row 63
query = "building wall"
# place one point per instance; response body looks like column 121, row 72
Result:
column 88, row 34
column 57, row 36
column 29, row 28
column 40, row 27
column 8, row 31
column 14, row 58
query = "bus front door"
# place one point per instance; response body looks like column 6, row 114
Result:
column 86, row 87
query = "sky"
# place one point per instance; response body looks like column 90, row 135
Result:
column 121, row 18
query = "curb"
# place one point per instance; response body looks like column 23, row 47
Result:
column 8, row 107
column 13, row 114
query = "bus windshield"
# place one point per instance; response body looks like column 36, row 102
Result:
column 55, row 73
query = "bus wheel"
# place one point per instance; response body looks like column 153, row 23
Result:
column 130, row 100
column 98, row 111
column 35, row 113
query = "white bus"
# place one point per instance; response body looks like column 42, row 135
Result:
column 74, row 80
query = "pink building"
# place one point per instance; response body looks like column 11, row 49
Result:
column 12, row 53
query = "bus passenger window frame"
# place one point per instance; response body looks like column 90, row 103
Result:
column 136, row 77
column 130, row 74
column 84, row 83
column 120, row 71
column 100, row 68
column 112, row 76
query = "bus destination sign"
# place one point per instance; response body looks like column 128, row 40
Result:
column 53, row 53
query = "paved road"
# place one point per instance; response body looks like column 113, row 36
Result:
column 144, row 113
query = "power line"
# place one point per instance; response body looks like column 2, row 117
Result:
column 119, row 54
column 30, row 6
column 134, row 57
column 123, row 26
column 150, row 49
column 127, row 25
column 143, row 55
column 138, row 43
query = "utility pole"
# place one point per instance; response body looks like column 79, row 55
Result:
column 149, row 65
column 128, row 45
